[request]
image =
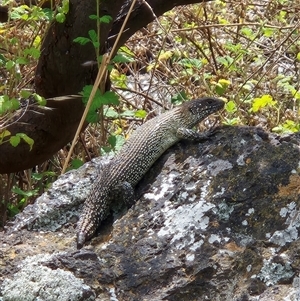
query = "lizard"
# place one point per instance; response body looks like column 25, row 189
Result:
column 146, row 144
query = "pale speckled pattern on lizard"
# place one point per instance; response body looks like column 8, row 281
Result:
column 137, row 155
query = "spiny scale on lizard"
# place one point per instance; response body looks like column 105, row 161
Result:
column 141, row 150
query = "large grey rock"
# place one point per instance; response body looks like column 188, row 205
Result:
column 217, row 220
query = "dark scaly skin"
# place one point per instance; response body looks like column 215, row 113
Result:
column 137, row 155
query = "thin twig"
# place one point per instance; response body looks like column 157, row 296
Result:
column 102, row 71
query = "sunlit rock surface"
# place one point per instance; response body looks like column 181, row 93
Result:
column 217, row 220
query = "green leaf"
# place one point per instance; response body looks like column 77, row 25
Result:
column 94, row 17
column 9, row 64
column 40, row 99
column 179, row 97
column 221, row 86
column 224, row 82
column 288, row 127
column 106, row 150
column 27, row 139
column 19, row 12
column 247, row 32
column 265, row 100
column 231, row 121
column 25, row 94
column 12, row 210
column 140, row 114
column 37, row 176
column 219, row 89
column 112, row 140
column 48, row 13
column 32, row 51
column 76, row 163
column 111, row 113
column 82, row 40
column 92, row 117
column 27, row 194
column 60, row 18
column 127, row 113
column 116, row 141
column 5, row 133
column 226, row 60
column 230, row 107
column 268, row 32
column 120, row 58
column 93, row 35
column 96, row 103
column 106, row 19
column 65, row 6
column 126, row 51
column 190, row 63
column 22, row 61
column 14, row 140
column 15, row 104
column 110, row 98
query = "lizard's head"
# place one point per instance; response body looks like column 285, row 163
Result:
column 200, row 108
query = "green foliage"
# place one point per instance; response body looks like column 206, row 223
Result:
column 288, row 127
column 115, row 144
column 8, row 105
column 190, row 63
column 221, row 86
column 104, row 19
column 179, row 98
column 26, row 13
column 108, row 98
column 140, row 114
column 16, row 139
column 92, row 39
column 25, row 194
column 231, row 108
column 263, row 102
column 63, row 9
column 75, row 164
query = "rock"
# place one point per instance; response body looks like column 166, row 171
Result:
column 217, row 220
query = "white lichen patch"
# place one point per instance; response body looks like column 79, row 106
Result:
column 241, row 160
column 284, row 236
column 250, row 212
column 182, row 222
column 184, row 195
column 220, row 193
column 36, row 281
column 190, row 186
column 292, row 215
column 214, row 238
column 272, row 272
column 190, row 257
column 113, row 296
column 223, row 210
column 196, row 245
column 167, row 185
column 217, row 166
column 245, row 222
